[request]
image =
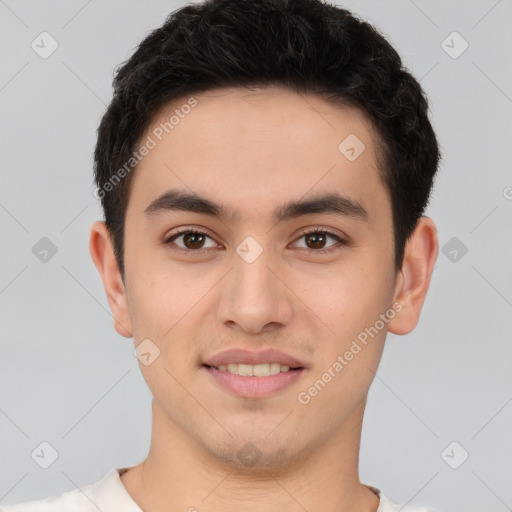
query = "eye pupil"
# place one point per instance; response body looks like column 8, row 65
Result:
column 194, row 236
column 316, row 236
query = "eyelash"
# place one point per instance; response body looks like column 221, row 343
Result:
column 341, row 241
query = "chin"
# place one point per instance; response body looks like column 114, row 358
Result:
column 245, row 450
column 252, row 456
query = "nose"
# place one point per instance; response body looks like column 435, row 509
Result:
column 254, row 298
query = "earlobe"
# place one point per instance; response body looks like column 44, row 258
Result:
column 414, row 280
column 102, row 253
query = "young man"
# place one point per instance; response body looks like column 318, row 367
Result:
column 263, row 168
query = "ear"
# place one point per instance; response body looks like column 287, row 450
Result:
column 413, row 282
column 102, row 253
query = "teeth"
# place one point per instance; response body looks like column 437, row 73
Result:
column 257, row 370
column 245, row 370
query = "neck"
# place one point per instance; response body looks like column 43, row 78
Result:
column 179, row 474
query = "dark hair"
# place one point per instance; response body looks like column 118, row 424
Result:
column 304, row 45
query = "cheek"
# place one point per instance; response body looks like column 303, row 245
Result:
column 156, row 305
column 158, row 286
column 165, row 309
column 351, row 305
column 346, row 298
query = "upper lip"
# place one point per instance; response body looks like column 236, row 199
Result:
column 244, row 356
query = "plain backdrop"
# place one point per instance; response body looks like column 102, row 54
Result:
column 442, row 393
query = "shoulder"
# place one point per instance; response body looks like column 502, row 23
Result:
column 70, row 500
column 76, row 500
column 386, row 505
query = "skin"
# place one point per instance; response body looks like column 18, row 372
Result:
column 252, row 151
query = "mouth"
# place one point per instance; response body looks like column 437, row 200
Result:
column 256, row 381
column 254, row 370
column 253, row 374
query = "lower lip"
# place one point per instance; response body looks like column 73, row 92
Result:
column 254, row 387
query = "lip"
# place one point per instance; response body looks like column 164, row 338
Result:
column 244, row 356
column 254, row 387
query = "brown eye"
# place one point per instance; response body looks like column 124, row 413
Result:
column 316, row 241
column 192, row 240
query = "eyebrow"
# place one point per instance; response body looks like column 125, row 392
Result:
column 333, row 203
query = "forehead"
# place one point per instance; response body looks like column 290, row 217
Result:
column 250, row 149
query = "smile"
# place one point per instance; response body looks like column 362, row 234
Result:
column 259, row 383
column 253, row 370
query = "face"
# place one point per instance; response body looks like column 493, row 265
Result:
column 243, row 271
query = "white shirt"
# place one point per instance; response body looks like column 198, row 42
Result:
column 110, row 495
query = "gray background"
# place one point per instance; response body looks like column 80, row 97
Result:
column 67, row 377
